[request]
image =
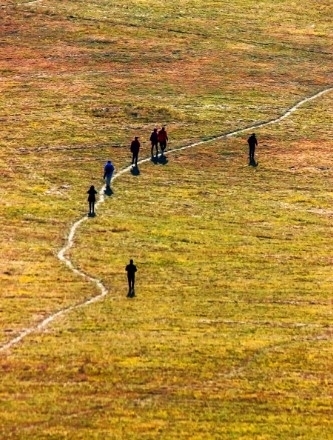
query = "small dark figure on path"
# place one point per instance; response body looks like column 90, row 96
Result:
column 162, row 139
column 108, row 172
column 91, row 199
column 131, row 269
column 135, row 148
column 252, row 141
column 154, row 142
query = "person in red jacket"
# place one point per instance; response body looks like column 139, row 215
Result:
column 135, row 148
column 162, row 139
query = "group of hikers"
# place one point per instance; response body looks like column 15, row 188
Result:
column 158, row 140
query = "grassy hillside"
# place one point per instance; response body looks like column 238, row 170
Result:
column 230, row 333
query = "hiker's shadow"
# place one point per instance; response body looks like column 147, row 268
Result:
column 163, row 160
column 108, row 191
column 160, row 160
column 135, row 171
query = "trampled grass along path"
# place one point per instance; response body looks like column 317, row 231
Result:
column 62, row 254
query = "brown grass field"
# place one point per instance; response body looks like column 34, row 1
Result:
column 230, row 333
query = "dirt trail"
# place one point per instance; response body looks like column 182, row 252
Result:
column 62, row 254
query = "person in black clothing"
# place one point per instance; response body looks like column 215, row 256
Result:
column 131, row 269
column 154, row 142
column 135, row 148
column 91, row 199
column 252, row 141
column 163, row 139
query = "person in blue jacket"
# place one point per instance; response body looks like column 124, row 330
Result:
column 108, row 172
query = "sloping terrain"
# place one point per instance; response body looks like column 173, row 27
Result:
column 230, row 333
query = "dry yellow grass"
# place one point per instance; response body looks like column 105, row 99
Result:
column 230, row 333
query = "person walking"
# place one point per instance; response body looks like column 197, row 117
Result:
column 91, row 199
column 108, row 172
column 252, row 141
column 154, row 142
column 162, row 139
column 135, row 148
column 131, row 270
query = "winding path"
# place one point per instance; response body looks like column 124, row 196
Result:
column 62, row 254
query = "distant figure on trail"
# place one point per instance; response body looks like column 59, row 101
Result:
column 154, row 142
column 131, row 269
column 252, row 141
column 91, row 199
column 135, row 148
column 108, row 172
column 162, row 139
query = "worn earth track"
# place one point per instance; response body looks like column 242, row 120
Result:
column 62, row 254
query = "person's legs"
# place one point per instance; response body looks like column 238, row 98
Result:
column 91, row 207
column 108, row 180
column 132, row 293
column 251, row 153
